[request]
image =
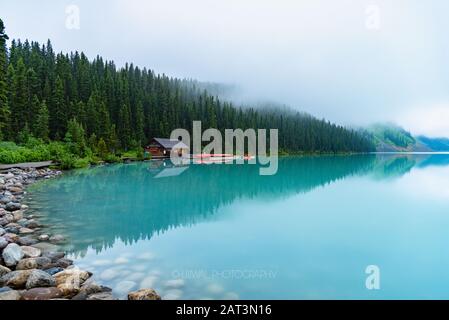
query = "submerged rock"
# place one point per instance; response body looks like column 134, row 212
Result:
column 101, row 296
column 46, row 247
column 43, row 237
column 57, row 238
column 12, row 254
column 144, row 294
column 25, row 231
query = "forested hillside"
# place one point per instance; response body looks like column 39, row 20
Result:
column 43, row 94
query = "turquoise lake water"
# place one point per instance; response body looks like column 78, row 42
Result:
column 224, row 232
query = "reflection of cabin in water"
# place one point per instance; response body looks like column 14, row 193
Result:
column 161, row 168
column 161, row 148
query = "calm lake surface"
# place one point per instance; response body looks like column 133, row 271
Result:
column 224, row 232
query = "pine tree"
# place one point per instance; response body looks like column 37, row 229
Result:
column 76, row 137
column 102, row 149
column 4, row 106
column 58, row 118
column 41, row 125
column 20, row 99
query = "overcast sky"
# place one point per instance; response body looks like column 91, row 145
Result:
column 351, row 61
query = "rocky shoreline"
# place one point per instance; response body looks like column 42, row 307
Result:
column 29, row 270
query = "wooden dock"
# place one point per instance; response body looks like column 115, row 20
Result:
column 26, row 165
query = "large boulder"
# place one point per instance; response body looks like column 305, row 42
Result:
column 15, row 279
column 72, row 275
column 31, row 252
column 42, row 294
column 12, row 254
column 144, row 294
column 33, row 263
column 69, row 281
column 40, row 279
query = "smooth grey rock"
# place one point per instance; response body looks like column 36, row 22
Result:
column 2, row 231
column 3, row 243
column 54, row 256
column 31, row 252
column 10, row 295
column 27, row 241
column 40, row 279
column 12, row 254
column 13, row 206
column 25, row 231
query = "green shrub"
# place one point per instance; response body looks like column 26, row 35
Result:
column 110, row 158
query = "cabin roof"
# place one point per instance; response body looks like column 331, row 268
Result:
column 171, row 143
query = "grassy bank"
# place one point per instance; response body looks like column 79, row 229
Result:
column 67, row 155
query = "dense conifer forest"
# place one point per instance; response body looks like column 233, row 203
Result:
column 106, row 109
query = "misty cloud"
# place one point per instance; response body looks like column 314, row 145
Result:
column 318, row 56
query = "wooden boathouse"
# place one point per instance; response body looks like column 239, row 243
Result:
column 162, row 148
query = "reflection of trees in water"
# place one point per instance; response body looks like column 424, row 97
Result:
column 127, row 202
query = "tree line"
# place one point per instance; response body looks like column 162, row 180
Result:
column 47, row 94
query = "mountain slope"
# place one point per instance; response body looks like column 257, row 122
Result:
column 389, row 137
